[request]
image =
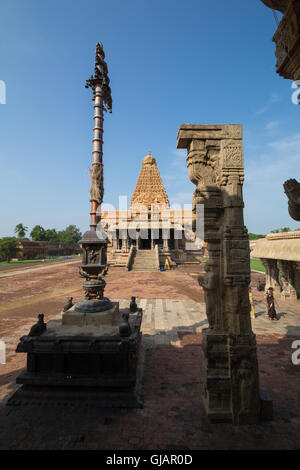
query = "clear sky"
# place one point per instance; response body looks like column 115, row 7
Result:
column 170, row 62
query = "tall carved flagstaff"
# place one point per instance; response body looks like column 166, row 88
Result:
column 102, row 101
column 215, row 166
column 94, row 261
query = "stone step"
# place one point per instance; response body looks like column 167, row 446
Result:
column 144, row 261
column 144, row 270
column 144, row 265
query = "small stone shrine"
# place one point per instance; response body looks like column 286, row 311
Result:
column 90, row 352
column 215, row 166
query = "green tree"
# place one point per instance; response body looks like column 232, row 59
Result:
column 255, row 236
column 279, row 230
column 20, row 230
column 8, row 248
column 71, row 235
column 51, row 235
column 38, row 233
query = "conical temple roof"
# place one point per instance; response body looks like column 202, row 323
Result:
column 149, row 187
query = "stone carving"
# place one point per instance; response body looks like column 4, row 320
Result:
column 94, row 291
column 69, row 304
column 209, row 282
column 280, row 5
column 232, row 155
column 133, row 305
column 245, row 379
column 93, row 256
column 96, row 189
column 272, row 273
column 124, row 328
column 38, row 328
column 287, row 38
column 237, row 257
column 231, row 379
column 292, row 190
column 201, row 168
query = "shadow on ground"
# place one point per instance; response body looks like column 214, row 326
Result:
column 172, row 417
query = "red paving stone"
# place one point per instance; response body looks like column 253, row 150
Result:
column 172, row 417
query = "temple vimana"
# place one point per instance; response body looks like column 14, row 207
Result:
column 150, row 233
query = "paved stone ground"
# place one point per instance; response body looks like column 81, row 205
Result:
column 172, row 417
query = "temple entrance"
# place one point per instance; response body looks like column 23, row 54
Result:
column 145, row 244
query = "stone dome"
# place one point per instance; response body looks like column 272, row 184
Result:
column 149, row 160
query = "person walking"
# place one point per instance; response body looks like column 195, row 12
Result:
column 252, row 312
column 270, row 301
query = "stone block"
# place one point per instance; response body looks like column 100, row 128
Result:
column 73, row 318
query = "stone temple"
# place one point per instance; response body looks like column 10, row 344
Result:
column 150, row 232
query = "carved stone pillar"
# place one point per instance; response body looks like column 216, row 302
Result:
column 287, row 38
column 124, row 244
column 114, row 244
column 297, row 278
column 165, row 244
column 286, row 280
column 175, row 243
column 215, row 166
column 272, row 274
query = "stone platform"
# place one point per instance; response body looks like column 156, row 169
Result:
column 173, row 416
column 83, row 363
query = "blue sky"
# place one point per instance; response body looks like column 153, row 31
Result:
column 170, row 62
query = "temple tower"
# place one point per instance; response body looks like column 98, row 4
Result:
column 149, row 187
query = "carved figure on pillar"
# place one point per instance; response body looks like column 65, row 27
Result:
column 292, row 190
column 209, row 282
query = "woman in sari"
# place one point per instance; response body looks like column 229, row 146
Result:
column 270, row 301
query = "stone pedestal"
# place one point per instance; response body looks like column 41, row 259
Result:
column 89, row 364
column 101, row 318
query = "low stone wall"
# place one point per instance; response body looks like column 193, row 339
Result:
column 40, row 250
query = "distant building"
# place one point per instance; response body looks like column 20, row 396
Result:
column 40, row 250
column 280, row 254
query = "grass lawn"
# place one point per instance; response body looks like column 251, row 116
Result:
column 257, row 265
column 24, row 261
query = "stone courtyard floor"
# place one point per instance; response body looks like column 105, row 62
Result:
column 172, row 417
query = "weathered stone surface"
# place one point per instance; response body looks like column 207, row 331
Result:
column 106, row 317
column 284, row 246
column 280, row 5
column 215, row 166
column 287, row 38
column 292, row 190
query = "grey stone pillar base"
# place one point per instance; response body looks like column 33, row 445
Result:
column 231, row 386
